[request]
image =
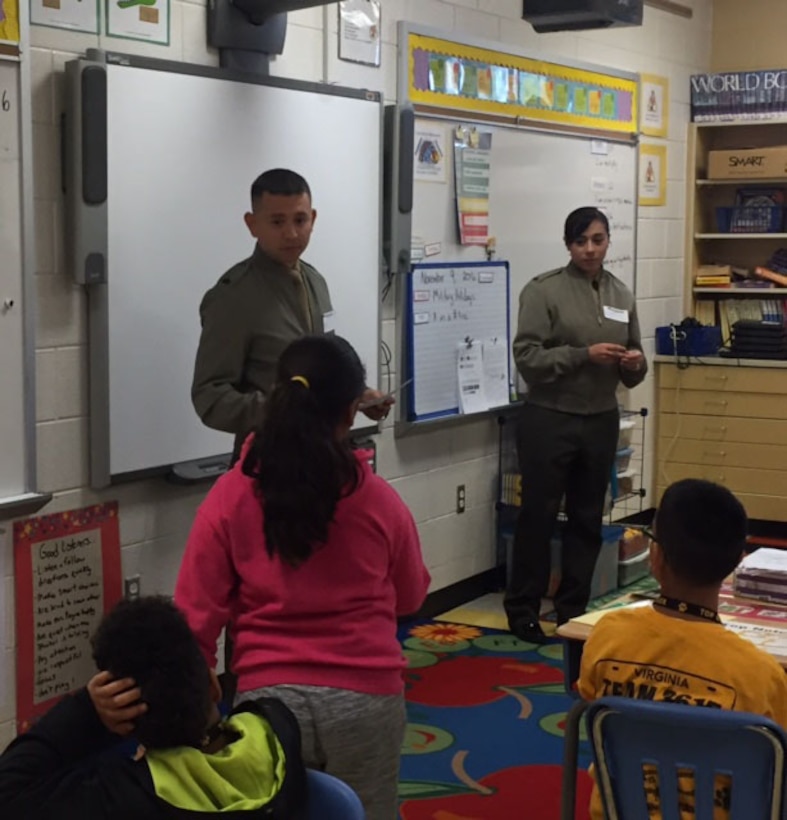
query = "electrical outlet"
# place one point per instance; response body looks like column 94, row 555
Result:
column 132, row 587
column 460, row 498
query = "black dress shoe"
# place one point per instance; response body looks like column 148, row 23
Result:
column 529, row 631
column 565, row 617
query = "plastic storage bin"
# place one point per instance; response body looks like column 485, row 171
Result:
column 622, row 459
column 633, row 544
column 750, row 219
column 626, row 433
column 676, row 340
column 625, row 483
column 605, row 575
column 632, row 569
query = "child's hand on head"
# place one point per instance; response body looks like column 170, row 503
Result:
column 117, row 702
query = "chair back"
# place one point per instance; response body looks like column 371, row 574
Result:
column 719, row 748
column 331, row 798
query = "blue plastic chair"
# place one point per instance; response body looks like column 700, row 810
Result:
column 331, row 798
column 626, row 734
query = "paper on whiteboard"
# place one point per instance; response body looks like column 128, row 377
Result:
column 495, row 363
column 329, row 322
column 430, row 158
column 470, row 376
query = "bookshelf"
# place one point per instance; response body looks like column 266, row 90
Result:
column 772, row 293
column 703, row 183
column 726, row 236
column 706, row 243
column 725, row 419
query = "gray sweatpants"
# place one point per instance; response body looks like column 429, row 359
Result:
column 353, row 736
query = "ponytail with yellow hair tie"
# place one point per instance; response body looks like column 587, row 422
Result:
column 302, row 379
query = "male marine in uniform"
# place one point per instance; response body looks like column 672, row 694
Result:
column 258, row 307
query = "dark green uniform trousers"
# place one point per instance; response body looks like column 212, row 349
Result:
column 559, row 454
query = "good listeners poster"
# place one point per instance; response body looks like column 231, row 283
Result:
column 67, row 568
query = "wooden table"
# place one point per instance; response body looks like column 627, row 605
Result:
column 763, row 623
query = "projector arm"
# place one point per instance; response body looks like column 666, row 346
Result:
column 249, row 32
column 259, row 11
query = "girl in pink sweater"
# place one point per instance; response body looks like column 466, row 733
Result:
column 310, row 557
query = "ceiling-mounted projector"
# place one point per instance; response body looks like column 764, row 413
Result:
column 576, row 15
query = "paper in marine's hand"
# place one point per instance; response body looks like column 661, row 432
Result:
column 384, row 398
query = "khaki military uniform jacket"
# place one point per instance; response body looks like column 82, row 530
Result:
column 561, row 314
column 248, row 318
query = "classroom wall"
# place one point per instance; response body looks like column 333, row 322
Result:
column 748, row 36
column 425, row 468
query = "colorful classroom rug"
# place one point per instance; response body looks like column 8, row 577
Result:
column 484, row 740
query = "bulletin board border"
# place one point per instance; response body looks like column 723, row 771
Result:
column 29, row 532
column 615, row 106
column 451, row 412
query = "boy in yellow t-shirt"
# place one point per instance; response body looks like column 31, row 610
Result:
column 677, row 649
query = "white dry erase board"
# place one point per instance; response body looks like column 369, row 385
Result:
column 12, row 440
column 18, row 494
column 536, row 179
column 161, row 219
column 450, row 304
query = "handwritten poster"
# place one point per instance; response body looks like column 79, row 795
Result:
column 67, row 569
column 5, row 642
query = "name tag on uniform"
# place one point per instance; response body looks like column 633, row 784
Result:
column 616, row 314
column 329, row 321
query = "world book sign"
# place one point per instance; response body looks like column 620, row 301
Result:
column 752, row 95
column 67, row 569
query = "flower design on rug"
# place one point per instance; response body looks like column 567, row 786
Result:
column 447, row 634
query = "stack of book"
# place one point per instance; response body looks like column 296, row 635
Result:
column 705, row 312
column 758, row 340
column 752, row 310
column 763, row 575
column 739, row 95
column 775, row 271
column 713, row 276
